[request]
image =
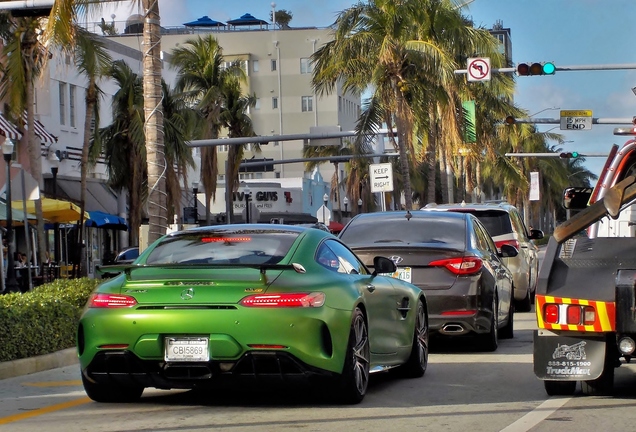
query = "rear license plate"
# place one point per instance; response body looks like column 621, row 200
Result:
column 402, row 274
column 187, row 349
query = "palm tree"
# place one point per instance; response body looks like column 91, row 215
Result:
column 23, row 59
column 123, row 142
column 181, row 125
column 92, row 61
column 389, row 34
column 234, row 117
column 153, row 126
column 201, row 79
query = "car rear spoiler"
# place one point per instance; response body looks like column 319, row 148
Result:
column 128, row 268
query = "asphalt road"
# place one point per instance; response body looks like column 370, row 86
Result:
column 462, row 389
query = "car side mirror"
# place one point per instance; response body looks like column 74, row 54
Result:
column 508, row 251
column 383, row 265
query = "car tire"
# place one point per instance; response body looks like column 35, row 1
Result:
column 490, row 340
column 559, row 388
column 508, row 331
column 525, row 305
column 351, row 385
column 415, row 366
column 111, row 392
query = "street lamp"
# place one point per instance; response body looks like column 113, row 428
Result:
column 359, row 205
column 195, row 191
column 12, row 283
column 325, row 199
column 54, row 161
column 345, row 201
column 248, row 195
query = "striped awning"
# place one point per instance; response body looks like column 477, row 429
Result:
column 40, row 130
column 8, row 129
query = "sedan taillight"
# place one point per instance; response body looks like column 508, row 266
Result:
column 460, row 266
column 315, row 299
column 103, row 300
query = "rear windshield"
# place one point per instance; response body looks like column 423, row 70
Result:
column 496, row 222
column 223, row 248
column 416, row 230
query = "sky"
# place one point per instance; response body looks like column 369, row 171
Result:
column 591, row 33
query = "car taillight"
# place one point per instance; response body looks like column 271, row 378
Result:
column 315, row 299
column 102, row 300
column 514, row 243
column 459, row 266
column 551, row 313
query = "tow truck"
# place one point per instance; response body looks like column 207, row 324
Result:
column 586, row 295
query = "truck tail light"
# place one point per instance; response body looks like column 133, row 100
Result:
column 589, row 315
column 551, row 313
column 574, row 314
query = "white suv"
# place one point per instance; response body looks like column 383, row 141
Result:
column 505, row 225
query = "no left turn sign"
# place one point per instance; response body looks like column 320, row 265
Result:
column 478, row 69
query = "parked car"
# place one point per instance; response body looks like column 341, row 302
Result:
column 261, row 301
column 506, row 226
column 453, row 259
column 125, row 256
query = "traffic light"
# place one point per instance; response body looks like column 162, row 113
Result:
column 527, row 69
column 569, row 155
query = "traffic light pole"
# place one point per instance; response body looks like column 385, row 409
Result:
column 558, row 155
column 565, row 68
column 595, row 120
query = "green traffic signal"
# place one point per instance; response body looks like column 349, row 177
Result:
column 549, row 68
column 575, row 154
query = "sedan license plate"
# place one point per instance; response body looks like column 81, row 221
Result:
column 403, row 273
column 187, row 349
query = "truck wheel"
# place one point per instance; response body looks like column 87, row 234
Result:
column 559, row 388
column 601, row 386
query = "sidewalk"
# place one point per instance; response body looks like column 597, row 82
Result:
column 41, row 363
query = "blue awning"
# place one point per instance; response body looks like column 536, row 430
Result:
column 99, row 219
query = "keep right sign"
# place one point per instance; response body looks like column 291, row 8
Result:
column 576, row 120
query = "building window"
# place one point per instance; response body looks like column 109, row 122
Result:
column 275, row 103
column 274, row 65
column 71, row 104
column 255, row 65
column 62, row 103
column 306, row 66
column 307, row 103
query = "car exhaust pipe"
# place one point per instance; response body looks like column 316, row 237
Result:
column 452, row 328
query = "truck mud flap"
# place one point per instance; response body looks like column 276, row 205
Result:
column 568, row 358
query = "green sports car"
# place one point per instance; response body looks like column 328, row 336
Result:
column 254, row 301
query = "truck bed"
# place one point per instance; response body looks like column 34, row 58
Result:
column 586, row 268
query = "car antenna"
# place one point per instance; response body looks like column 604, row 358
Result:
column 408, row 215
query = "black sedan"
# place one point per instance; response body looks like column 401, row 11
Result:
column 453, row 259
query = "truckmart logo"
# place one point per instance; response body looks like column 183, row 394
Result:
column 567, row 371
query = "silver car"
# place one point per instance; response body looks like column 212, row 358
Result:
column 506, row 226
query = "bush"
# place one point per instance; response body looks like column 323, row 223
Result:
column 44, row 320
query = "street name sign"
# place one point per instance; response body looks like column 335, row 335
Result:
column 381, row 177
column 576, row 120
column 479, row 69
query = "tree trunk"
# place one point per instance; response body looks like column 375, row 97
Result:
column 449, row 178
column 404, row 135
column 431, row 161
column 32, row 143
column 91, row 99
column 153, row 126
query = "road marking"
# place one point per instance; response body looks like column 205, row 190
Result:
column 45, row 410
column 53, row 383
column 537, row 415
